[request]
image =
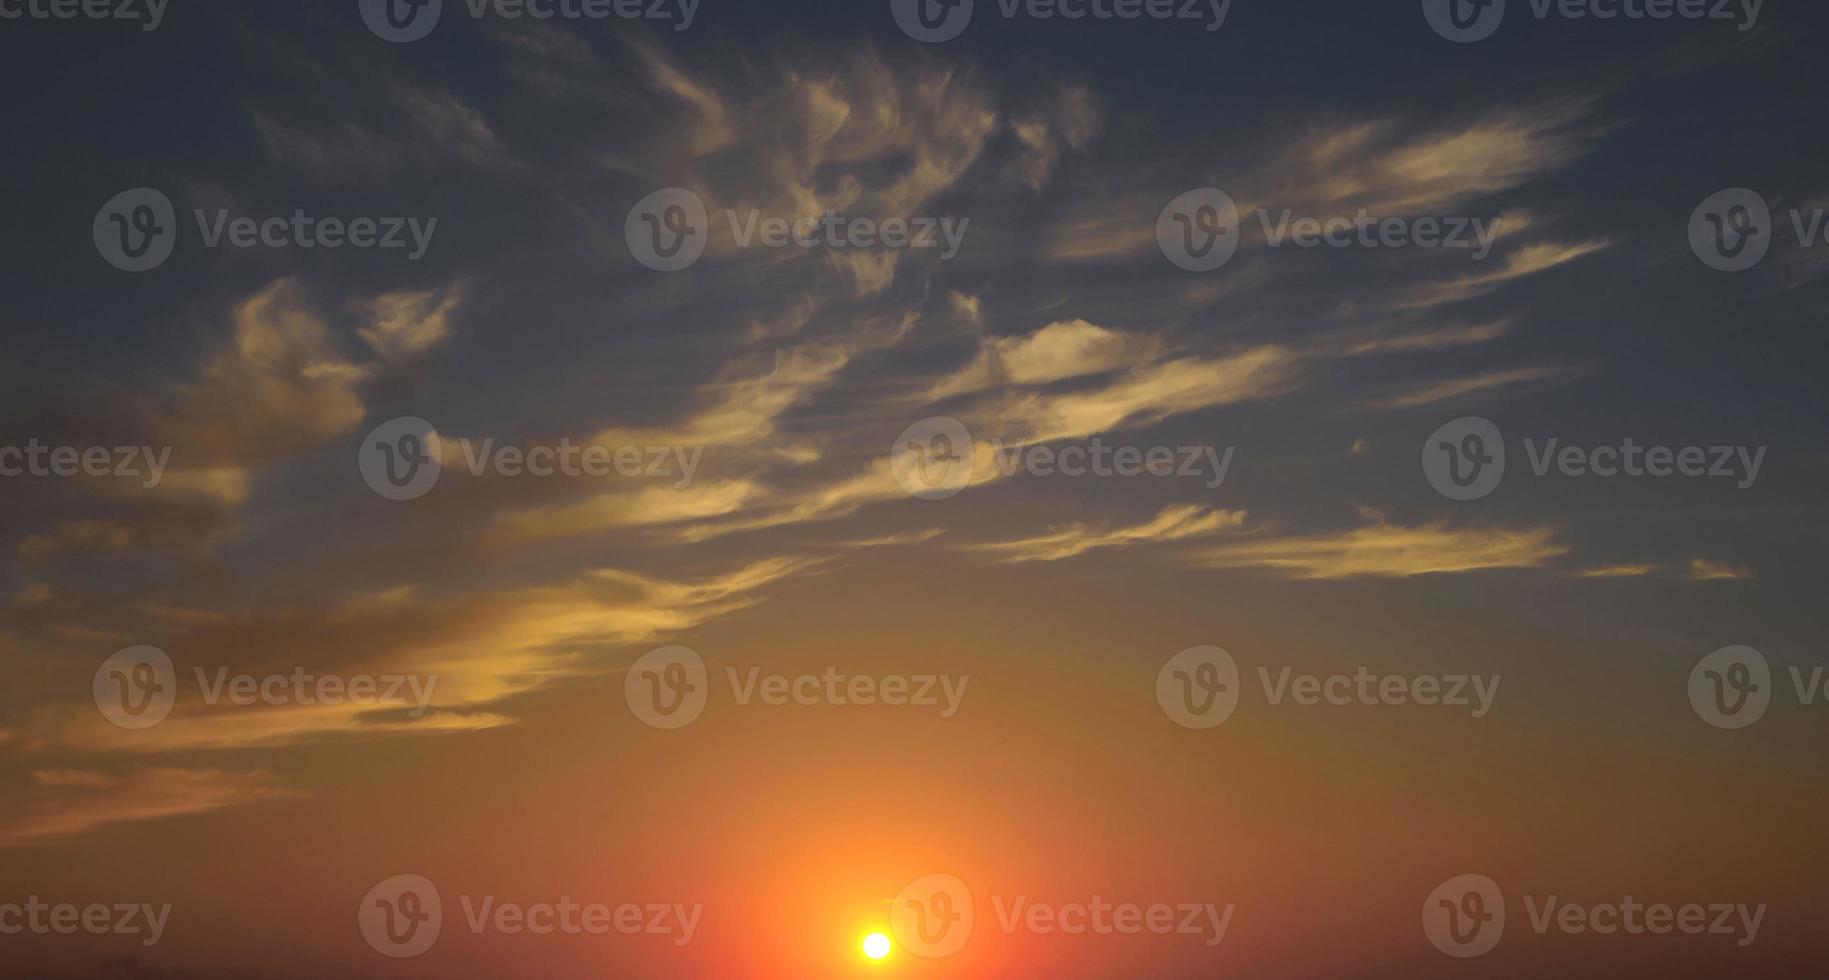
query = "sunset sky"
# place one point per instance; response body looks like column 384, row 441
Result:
column 776, row 411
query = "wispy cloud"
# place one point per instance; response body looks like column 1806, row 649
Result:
column 62, row 803
column 1391, row 551
column 1178, row 523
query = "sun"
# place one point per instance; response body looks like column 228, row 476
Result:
column 876, row 946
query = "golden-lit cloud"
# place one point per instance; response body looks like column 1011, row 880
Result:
column 1704, row 570
column 1181, row 522
column 1431, row 392
column 1056, row 352
column 458, row 655
column 406, row 325
column 1391, row 551
column 1142, row 397
column 1519, row 263
column 61, row 803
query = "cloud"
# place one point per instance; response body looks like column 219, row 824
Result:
column 1619, row 571
column 1519, row 263
column 1142, row 396
column 418, row 126
column 1391, row 551
column 405, row 325
column 63, row 803
column 1178, row 523
column 893, row 540
column 634, row 508
column 467, row 651
column 1704, row 570
column 1432, row 392
column 279, row 387
column 1393, row 169
column 78, row 537
column 1056, row 352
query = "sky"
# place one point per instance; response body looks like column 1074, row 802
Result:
column 677, row 488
